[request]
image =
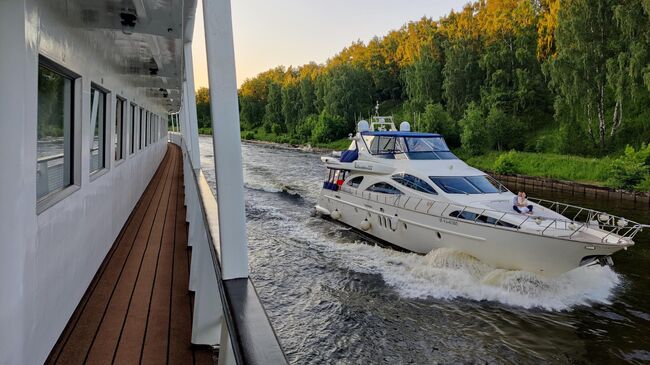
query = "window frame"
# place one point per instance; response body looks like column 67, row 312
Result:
column 403, row 179
column 105, row 139
column 119, row 145
column 133, row 107
column 399, row 192
column 140, row 121
column 76, row 86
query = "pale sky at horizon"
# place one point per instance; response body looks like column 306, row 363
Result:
column 294, row 32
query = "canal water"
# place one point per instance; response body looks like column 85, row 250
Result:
column 334, row 298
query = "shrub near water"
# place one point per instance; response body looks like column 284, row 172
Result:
column 506, row 164
column 631, row 170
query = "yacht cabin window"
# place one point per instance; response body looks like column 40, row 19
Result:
column 98, row 129
column 467, row 184
column 54, row 141
column 355, row 181
column 119, row 129
column 414, row 183
column 384, row 188
column 417, row 146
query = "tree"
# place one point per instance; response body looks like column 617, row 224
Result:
column 423, row 81
column 203, row 108
column 474, row 135
column 347, row 92
column 462, row 76
column 273, row 111
column 435, row 119
column 588, row 75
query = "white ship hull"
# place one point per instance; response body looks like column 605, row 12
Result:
column 500, row 247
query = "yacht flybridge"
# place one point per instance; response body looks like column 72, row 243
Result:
column 408, row 189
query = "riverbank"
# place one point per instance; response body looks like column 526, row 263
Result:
column 585, row 172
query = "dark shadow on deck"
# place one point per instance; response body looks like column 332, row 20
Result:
column 138, row 308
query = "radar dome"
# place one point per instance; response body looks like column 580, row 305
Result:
column 405, row 127
column 363, row 126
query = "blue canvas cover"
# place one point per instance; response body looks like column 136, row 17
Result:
column 349, row 155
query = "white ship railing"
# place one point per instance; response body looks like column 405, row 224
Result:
column 610, row 227
column 227, row 312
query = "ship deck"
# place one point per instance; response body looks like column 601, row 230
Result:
column 138, row 308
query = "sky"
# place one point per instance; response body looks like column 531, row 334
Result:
column 270, row 33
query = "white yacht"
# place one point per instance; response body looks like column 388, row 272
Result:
column 408, row 189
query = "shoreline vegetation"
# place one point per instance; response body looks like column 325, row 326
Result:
column 549, row 88
column 587, row 171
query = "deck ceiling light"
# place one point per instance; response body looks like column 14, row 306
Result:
column 128, row 19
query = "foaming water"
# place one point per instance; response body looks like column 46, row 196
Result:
column 448, row 274
column 333, row 297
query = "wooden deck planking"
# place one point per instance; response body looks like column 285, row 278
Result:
column 138, row 307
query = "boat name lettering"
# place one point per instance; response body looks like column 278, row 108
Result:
column 362, row 166
column 448, row 221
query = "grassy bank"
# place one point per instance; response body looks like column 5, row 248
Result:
column 594, row 171
column 611, row 171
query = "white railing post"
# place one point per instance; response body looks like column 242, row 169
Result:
column 226, row 138
column 191, row 106
column 207, row 317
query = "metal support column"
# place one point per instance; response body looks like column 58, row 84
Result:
column 226, row 138
column 191, row 105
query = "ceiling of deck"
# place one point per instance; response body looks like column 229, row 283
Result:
column 143, row 39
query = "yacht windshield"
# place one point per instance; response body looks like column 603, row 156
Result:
column 417, row 147
column 467, row 184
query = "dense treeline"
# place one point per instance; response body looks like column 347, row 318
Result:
column 532, row 75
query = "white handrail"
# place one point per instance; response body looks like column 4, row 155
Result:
column 611, row 226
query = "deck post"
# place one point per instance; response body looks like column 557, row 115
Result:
column 191, row 106
column 226, row 138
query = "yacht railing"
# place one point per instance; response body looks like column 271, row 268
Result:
column 227, row 312
column 607, row 226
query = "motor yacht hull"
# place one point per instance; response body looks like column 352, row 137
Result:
column 500, row 247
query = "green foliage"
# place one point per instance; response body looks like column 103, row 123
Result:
column 474, row 135
column 631, row 169
column 549, row 165
column 560, row 76
column 273, row 110
column 506, row 164
column 328, row 128
column 435, row 119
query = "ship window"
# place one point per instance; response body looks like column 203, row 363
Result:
column 132, row 129
column 485, row 184
column 140, row 128
column 384, row 188
column 455, row 185
column 414, row 183
column 119, row 129
column 481, row 218
column 355, row 181
column 54, row 141
column 98, row 128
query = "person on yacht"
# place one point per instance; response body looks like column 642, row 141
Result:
column 521, row 205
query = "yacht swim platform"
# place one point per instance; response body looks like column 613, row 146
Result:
column 138, row 307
